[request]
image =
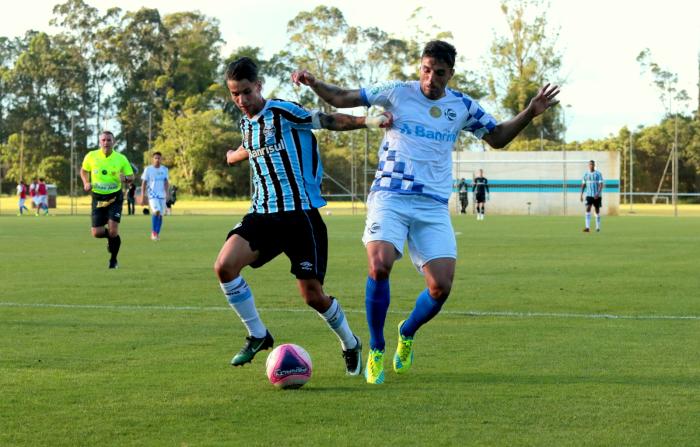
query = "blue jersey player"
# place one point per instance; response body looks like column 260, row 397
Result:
column 284, row 217
column 408, row 199
column 592, row 186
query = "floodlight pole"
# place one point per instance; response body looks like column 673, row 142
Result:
column 72, row 165
column 364, row 171
column 675, row 167
column 631, row 185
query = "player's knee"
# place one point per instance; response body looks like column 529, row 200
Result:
column 440, row 290
column 113, row 232
column 378, row 270
column 225, row 271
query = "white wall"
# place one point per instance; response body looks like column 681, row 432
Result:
column 537, row 178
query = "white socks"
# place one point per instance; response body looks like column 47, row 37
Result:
column 588, row 220
column 597, row 221
column 241, row 299
column 335, row 317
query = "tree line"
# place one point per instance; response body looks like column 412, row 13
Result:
column 158, row 80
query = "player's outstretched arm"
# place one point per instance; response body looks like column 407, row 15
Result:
column 332, row 94
column 341, row 121
column 505, row 131
column 237, row 155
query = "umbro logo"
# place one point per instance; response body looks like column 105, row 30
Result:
column 306, row 265
column 374, row 227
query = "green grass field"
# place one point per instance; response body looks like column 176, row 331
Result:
column 521, row 355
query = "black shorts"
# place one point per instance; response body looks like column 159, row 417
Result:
column 106, row 207
column 301, row 235
column 464, row 197
column 480, row 198
column 592, row 201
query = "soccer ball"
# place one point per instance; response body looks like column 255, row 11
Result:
column 288, row 366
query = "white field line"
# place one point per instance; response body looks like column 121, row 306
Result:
column 468, row 313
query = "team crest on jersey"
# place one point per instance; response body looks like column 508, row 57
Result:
column 435, row 112
column 450, row 114
column 269, row 132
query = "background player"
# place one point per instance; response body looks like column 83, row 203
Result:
column 283, row 217
column 592, row 185
column 22, row 197
column 481, row 194
column 155, row 181
column 413, row 183
column 103, row 171
column 463, row 191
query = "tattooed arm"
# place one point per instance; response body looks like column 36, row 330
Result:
column 341, row 121
column 332, row 94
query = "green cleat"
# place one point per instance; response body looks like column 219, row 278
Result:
column 252, row 346
column 374, row 371
column 403, row 359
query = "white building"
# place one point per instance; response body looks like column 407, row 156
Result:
column 537, row 183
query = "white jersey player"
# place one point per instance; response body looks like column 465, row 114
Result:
column 413, row 182
column 154, row 182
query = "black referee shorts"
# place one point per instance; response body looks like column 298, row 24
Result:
column 106, row 207
column 301, row 235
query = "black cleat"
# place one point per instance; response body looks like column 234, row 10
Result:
column 113, row 264
column 251, row 347
column 353, row 359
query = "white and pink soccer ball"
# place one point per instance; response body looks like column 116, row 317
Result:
column 288, row 366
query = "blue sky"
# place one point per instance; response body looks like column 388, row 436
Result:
column 600, row 39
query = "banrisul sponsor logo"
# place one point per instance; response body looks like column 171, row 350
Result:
column 431, row 134
column 386, row 86
column 267, row 150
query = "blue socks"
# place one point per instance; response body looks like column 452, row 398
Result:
column 426, row 308
column 156, row 223
column 377, row 299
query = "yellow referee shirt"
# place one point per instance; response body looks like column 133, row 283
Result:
column 104, row 171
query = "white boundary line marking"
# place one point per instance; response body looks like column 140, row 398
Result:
column 467, row 313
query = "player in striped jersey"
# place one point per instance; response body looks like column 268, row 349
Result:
column 408, row 202
column 592, row 185
column 284, row 217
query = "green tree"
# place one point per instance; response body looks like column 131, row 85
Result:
column 194, row 143
column 523, row 61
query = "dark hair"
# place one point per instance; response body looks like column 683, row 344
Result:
column 242, row 68
column 441, row 51
column 156, row 153
column 107, row 132
column 592, row 161
column 41, row 179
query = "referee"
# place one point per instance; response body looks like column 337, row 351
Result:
column 103, row 172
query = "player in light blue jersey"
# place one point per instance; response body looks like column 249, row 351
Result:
column 154, row 182
column 408, row 199
column 592, row 186
column 284, row 217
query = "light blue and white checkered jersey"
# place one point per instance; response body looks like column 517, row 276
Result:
column 594, row 183
column 284, row 158
column 155, row 181
column 415, row 156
